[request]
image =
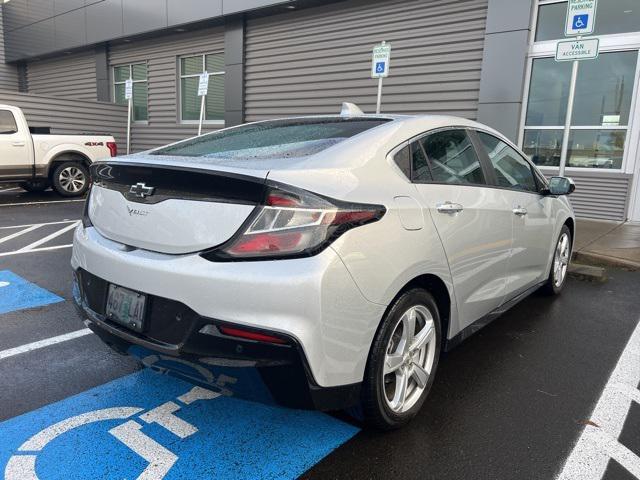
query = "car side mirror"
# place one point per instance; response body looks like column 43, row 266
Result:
column 561, row 186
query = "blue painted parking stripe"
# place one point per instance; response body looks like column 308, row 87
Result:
column 16, row 293
column 147, row 425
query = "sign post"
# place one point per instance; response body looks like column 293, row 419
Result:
column 580, row 20
column 380, row 67
column 203, row 87
column 128, row 95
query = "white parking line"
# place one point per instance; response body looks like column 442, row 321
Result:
column 38, row 224
column 55, row 234
column 17, row 234
column 43, row 249
column 69, row 225
column 40, row 203
column 599, row 440
column 43, row 343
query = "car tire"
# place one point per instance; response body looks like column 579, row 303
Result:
column 70, row 179
column 394, row 363
column 35, row 185
column 560, row 263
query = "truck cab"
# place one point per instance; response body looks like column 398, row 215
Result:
column 37, row 161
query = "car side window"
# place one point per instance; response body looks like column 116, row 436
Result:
column 7, row 123
column 421, row 170
column 453, row 158
column 511, row 169
column 403, row 160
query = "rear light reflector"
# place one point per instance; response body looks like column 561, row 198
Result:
column 251, row 335
column 113, row 148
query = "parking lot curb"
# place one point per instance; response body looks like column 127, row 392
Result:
column 597, row 259
column 588, row 273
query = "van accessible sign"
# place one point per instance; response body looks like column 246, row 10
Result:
column 570, row 50
column 581, row 17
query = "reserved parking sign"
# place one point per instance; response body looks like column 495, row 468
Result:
column 581, row 17
column 380, row 60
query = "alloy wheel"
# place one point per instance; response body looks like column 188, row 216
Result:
column 561, row 260
column 72, row 179
column 409, row 359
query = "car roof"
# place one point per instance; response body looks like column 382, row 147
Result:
column 428, row 121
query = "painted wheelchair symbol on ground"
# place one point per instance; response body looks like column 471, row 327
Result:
column 147, row 426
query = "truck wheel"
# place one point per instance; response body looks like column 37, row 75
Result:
column 35, row 185
column 70, row 179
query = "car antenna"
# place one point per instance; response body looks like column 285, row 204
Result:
column 350, row 109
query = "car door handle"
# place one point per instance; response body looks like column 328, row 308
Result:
column 521, row 212
column 449, row 207
column 18, row 144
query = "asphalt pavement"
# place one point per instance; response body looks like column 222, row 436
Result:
column 517, row 400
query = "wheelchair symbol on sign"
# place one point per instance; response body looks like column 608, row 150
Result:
column 160, row 460
column 580, row 21
column 380, row 67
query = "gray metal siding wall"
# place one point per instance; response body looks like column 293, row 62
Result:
column 71, row 116
column 600, row 196
column 67, row 76
column 161, row 56
column 309, row 61
column 8, row 73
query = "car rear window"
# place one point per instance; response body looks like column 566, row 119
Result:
column 273, row 139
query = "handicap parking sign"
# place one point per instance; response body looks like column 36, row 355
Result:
column 581, row 17
column 580, row 21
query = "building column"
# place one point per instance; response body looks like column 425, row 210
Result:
column 506, row 44
column 234, row 71
column 102, row 74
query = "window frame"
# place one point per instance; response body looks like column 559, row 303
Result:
column 610, row 43
column 540, row 186
column 15, row 123
column 179, row 84
column 146, row 80
column 418, row 137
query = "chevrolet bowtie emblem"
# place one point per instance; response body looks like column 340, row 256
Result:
column 141, row 190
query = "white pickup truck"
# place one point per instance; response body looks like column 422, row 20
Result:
column 37, row 161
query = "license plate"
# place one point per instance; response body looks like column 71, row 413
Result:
column 126, row 307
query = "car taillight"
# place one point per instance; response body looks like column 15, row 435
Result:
column 113, row 148
column 295, row 223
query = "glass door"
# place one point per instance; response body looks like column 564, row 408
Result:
column 599, row 128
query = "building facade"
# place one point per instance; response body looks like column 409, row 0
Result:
column 490, row 60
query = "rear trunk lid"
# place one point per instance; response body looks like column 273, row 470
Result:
column 172, row 205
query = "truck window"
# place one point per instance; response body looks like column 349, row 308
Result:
column 7, row 123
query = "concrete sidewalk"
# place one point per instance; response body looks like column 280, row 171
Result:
column 607, row 243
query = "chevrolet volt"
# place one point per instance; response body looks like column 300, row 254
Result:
column 317, row 262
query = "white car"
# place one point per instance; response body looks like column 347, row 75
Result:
column 38, row 160
column 317, row 262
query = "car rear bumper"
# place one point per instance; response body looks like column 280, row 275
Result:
column 313, row 302
column 199, row 353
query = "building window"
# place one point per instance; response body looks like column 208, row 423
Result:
column 138, row 73
column 601, row 110
column 613, row 16
column 190, row 70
